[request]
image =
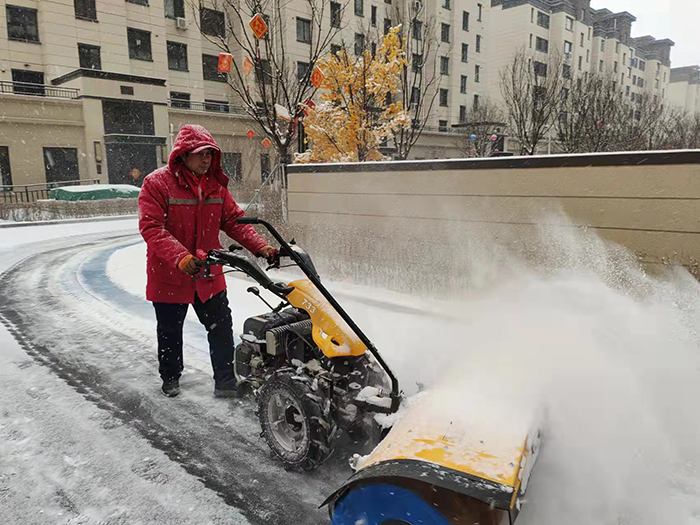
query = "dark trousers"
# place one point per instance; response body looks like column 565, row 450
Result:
column 215, row 315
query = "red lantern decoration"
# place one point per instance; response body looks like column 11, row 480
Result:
column 225, row 62
column 250, row 133
column 259, row 26
column 266, row 143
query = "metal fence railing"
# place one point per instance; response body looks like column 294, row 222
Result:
column 37, row 90
column 26, row 193
column 214, row 107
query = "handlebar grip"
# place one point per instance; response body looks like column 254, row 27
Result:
column 248, row 220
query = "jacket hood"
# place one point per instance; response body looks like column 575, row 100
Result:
column 193, row 136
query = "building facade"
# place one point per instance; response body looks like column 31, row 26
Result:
column 684, row 90
column 96, row 89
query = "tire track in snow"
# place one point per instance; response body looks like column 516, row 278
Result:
column 92, row 347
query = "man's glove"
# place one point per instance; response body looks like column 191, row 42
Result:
column 188, row 264
column 268, row 252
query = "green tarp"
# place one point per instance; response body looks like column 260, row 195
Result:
column 94, row 192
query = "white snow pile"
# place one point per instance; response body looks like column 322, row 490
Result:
column 118, row 188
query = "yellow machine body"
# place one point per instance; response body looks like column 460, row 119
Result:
column 330, row 332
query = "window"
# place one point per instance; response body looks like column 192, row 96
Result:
column 569, row 24
column 542, row 20
column 442, row 125
column 302, row 70
column 581, row 39
column 174, row 8
column 445, row 33
column 443, row 97
column 634, row 80
column 627, row 91
column 462, row 113
column 232, row 165
column 624, row 59
column 179, row 100
column 210, row 69
column 61, row 164
column 373, row 49
column 478, row 43
column 476, row 102
column 22, row 24
column 415, row 96
column 465, row 52
column 264, row 166
column 629, row 72
column 642, row 65
column 336, row 14
column 373, row 16
column 217, row 105
column 213, row 23
column 418, row 30
column 139, row 44
column 477, row 73
column 446, row 4
column 177, row 56
column 140, row 2
column 590, row 30
column 85, row 9
column 360, row 7
column 303, row 30
column 540, row 69
column 387, row 25
column 568, row 49
column 615, row 66
column 465, row 21
column 602, row 45
column 359, row 43
column 600, row 66
column 417, row 63
column 128, row 117
column 588, row 56
column 5, row 173
column 532, row 15
column 28, row 82
column 566, row 71
column 542, row 45
column 617, row 47
column 480, row 9
column 580, row 63
column 89, row 56
column 531, row 37
column 444, row 65
column 640, row 82
column 463, row 84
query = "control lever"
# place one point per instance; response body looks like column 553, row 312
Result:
column 235, row 248
column 256, row 292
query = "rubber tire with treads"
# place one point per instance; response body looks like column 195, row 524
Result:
column 320, row 428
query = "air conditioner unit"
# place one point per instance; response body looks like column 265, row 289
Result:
column 181, row 23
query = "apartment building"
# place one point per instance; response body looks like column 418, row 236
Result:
column 590, row 40
column 96, row 89
column 684, row 90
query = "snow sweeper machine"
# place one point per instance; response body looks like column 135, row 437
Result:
column 316, row 374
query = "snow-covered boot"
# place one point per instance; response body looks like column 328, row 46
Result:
column 171, row 387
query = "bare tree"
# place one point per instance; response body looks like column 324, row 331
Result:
column 274, row 93
column 682, row 130
column 478, row 129
column 420, row 77
column 591, row 108
column 532, row 92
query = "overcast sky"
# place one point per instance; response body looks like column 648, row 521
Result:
column 674, row 19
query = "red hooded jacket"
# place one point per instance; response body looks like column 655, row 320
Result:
column 175, row 221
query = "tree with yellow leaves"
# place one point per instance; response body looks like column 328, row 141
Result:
column 356, row 114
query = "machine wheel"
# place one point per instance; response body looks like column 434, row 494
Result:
column 295, row 422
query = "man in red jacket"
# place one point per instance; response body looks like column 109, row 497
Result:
column 182, row 208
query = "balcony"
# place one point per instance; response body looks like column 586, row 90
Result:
column 37, row 90
column 209, row 107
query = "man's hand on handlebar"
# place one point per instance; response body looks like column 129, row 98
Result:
column 269, row 253
column 189, row 264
